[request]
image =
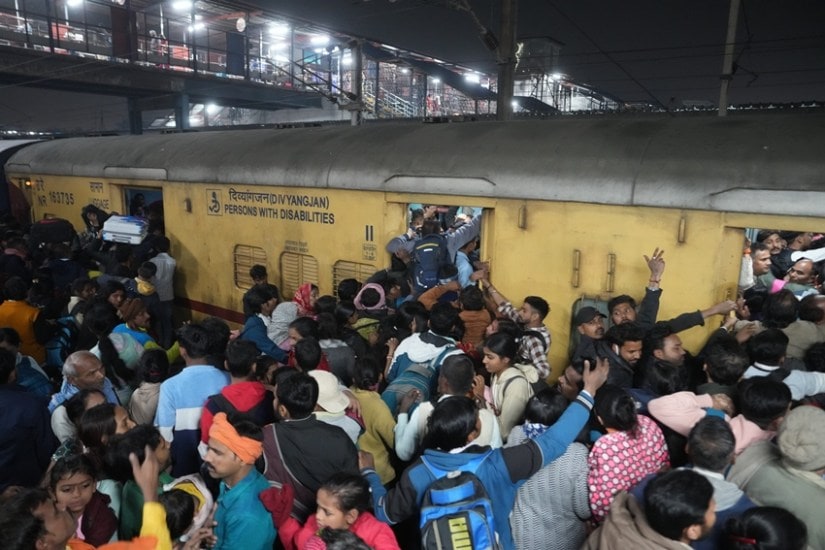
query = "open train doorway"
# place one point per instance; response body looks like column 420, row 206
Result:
column 776, row 259
column 145, row 203
column 460, row 226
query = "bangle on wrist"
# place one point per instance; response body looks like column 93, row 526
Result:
column 654, row 281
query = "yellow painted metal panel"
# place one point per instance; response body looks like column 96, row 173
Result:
column 206, row 223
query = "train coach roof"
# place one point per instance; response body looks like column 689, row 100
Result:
column 772, row 163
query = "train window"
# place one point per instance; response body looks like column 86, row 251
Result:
column 297, row 269
column 143, row 201
column 244, row 257
column 350, row 270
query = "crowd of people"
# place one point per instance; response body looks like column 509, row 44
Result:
column 410, row 410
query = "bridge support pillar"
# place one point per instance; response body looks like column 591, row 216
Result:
column 135, row 117
column 182, row 112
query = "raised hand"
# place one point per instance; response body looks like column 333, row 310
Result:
column 656, row 264
column 594, row 378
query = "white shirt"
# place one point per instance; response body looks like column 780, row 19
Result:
column 801, row 383
column 164, row 277
column 410, row 429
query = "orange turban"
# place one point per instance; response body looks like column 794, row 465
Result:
column 245, row 448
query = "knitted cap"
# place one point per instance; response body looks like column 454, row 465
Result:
column 801, row 438
column 131, row 309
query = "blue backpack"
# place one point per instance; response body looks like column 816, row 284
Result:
column 62, row 342
column 456, row 512
column 429, row 255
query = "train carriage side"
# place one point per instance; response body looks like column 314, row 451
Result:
column 569, row 205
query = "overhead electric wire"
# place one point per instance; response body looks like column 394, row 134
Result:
column 719, row 45
column 607, row 54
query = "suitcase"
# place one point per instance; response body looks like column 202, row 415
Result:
column 125, row 229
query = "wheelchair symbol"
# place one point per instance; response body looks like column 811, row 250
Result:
column 214, row 208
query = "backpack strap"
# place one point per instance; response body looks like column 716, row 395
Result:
column 497, row 405
column 223, row 404
column 779, row 375
column 536, row 334
column 510, row 380
column 470, row 466
column 436, row 361
column 506, row 385
column 281, row 469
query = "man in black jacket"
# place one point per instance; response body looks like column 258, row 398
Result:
column 300, row 449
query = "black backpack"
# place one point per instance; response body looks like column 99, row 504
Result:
column 456, row 512
column 261, row 414
column 50, row 231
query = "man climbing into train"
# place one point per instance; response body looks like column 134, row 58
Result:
column 455, row 239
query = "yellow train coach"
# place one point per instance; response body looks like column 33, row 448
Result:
column 570, row 205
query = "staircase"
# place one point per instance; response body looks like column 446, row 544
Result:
column 390, row 104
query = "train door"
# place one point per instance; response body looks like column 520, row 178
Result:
column 459, row 220
column 144, row 202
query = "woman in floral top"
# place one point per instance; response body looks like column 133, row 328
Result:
column 632, row 448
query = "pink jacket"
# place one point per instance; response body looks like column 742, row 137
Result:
column 620, row 460
column 747, row 433
column 376, row 534
column 682, row 410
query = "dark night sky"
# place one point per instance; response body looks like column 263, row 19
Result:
column 660, row 49
column 673, row 48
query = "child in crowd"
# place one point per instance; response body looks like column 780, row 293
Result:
column 343, row 503
column 763, row 403
column 632, row 448
column 72, row 485
column 307, row 355
column 97, row 426
column 118, row 466
column 180, row 507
